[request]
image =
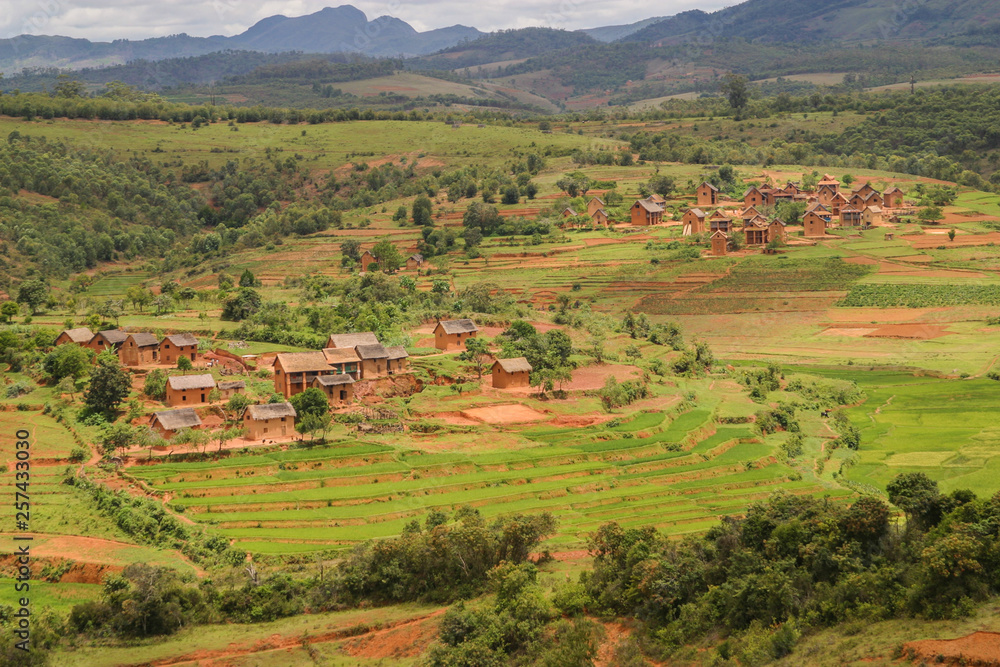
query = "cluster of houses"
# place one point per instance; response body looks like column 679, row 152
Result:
column 412, row 263
column 864, row 206
column 346, row 359
column 135, row 349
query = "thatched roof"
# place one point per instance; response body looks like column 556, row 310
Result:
column 352, row 339
column 375, row 351
column 81, row 335
column 336, row 355
column 648, row 206
column 333, row 380
column 457, row 326
column 302, row 362
column 182, row 382
column 397, row 352
column 114, row 336
column 172, row 420
column 232, row 384
column 270, row 411
column 182, row 340
column 515, row 365
column 144, row 339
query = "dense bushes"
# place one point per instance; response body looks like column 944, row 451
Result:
column 799, row 562
column 439, row 562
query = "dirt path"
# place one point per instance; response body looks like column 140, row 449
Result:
column 274, row 643
column 878, row 410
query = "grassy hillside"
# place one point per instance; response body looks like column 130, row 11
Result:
column 892, row 340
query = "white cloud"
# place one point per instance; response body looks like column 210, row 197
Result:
column 104, row 20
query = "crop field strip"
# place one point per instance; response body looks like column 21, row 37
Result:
column 677, row 476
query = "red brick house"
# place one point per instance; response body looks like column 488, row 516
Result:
column 81, row 336
column 754, row 196
column 367, row 260
column 707, row 195
column 850, row 217
column 295, row 371
column 229, row 388
column 189, row 389
column 168, row 422
column 272, row 420
column 175, row 346
column 719, row 221
column 343, row 360
column 452, row 334
column 893, row 197
column 511, row 373
column 107, row 340
column 339, row 389
column 398, row 359
column 756, row 231
column 862, row 200
column 720, row 244
column 139, row 349
column 645, row 212
column 374, row 361
column 414, row 262
column 814, row 224
column 594, row 205
column 694, row 221
column 599, row 217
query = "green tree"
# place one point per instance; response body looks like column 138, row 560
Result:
column 139, row 297
column 511, row 195
column 917, row 495
column 236, row 404
column 422, row 211
column 387, row 255
column 118, row 436
column 478, row 351
column 351, row 250
column 71, row 361
column 184, row 364
column 736, row 90
column 155, row 385
column 244, row 303
column 312, row 424
column 110, row 384
column 930, row 214
column 311, row 401
column 247, row 279
column 661, row 185
column 111, row 309
column 33, row 294
column 68, row 87
column 9, row 311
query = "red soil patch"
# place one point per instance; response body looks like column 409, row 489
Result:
column 977, row 649
column 580, row 421
column 867, row 315
column 852, row 332
column 860, row 260
column 503, row 414
column 402, row 641
column 917, row 331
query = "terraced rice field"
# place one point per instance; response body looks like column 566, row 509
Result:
column 680, row 475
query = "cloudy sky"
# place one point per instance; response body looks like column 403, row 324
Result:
column 104, row 20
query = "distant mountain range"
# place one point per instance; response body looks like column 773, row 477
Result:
column 343, row 29
column 346, row 29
